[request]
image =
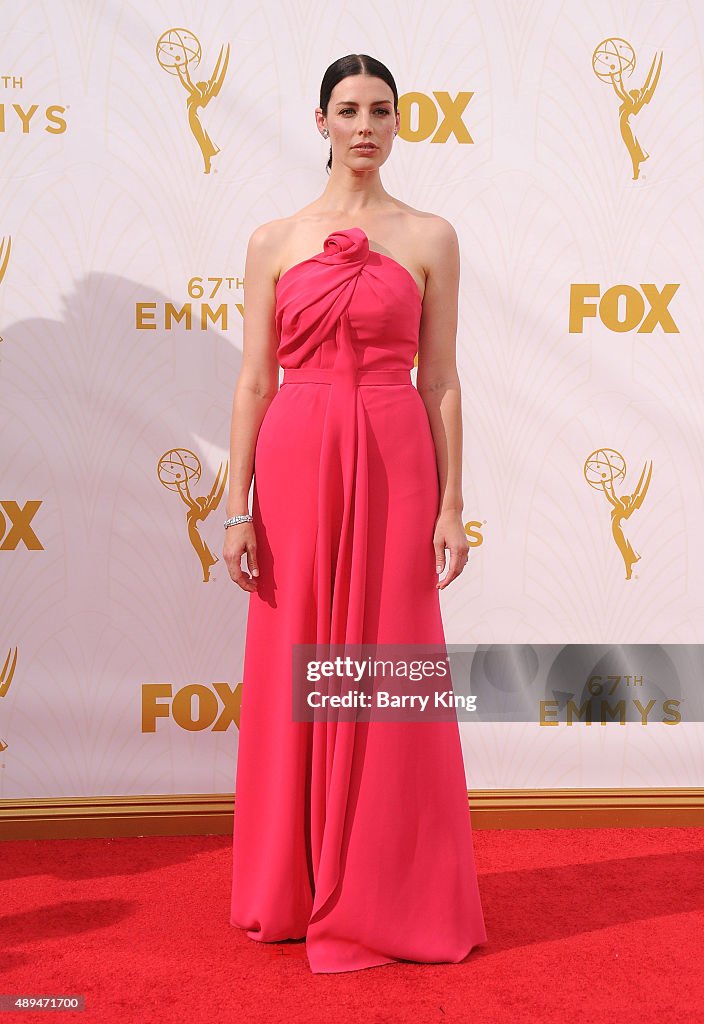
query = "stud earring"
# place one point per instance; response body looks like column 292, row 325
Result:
column 326, row 133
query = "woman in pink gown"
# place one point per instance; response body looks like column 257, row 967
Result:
column 352, row 834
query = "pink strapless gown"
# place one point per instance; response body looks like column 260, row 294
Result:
column 353, row 835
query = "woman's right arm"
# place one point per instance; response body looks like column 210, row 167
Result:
column 257, row 383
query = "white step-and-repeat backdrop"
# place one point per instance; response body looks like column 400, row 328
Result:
column 565, row 142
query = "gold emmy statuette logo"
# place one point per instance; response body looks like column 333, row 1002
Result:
column 611, row 59
column 8, row 671
column 176, row 51
column 5, row 246
column 176, row 470
column 603, row 469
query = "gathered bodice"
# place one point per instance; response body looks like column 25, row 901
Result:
column 347, row 284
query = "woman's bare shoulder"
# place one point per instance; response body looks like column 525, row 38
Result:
column 268, row 236
column 266, row 245
column 429, row 226
column 432, row 241
column 270, row 240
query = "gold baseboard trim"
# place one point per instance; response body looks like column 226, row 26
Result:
column 587, row 808
column 111, row 817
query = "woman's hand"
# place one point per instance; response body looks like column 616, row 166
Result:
column 450, row 533
column 238, row 539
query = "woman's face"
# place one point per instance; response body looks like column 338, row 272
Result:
column 361, row 110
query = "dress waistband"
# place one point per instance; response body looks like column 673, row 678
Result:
column 301, row 374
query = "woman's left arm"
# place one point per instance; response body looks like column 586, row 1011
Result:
column 439, row 386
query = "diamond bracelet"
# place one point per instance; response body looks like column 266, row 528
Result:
column 233, row 520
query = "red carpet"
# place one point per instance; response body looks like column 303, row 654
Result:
column 584, row 925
